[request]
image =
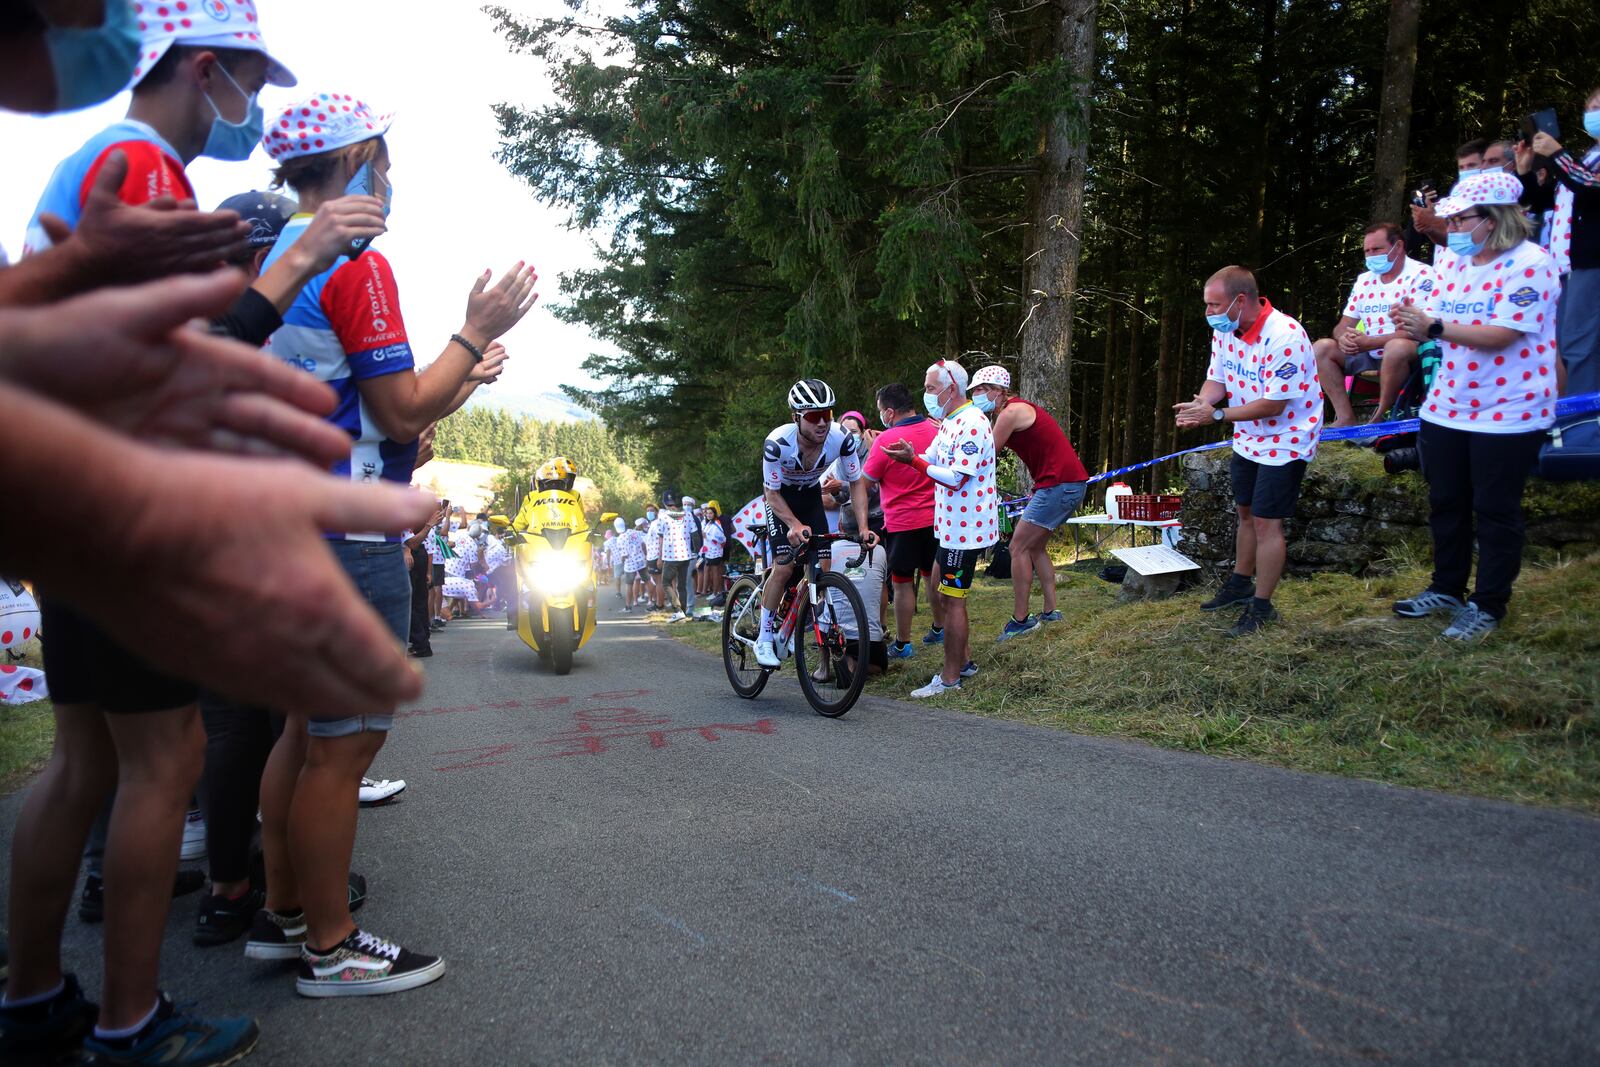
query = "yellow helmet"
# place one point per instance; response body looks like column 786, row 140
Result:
column 558, row 473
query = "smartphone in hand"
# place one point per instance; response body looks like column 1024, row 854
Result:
column 1541, row 122
column 364, row 183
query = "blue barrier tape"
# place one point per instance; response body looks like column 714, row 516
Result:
column 1567, row 405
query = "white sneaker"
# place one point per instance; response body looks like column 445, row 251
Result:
column 194, row 837
column 677, row 616
column 767, row 651
column 380, row 790
column 934, row 688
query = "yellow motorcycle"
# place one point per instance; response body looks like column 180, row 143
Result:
column 552, row 606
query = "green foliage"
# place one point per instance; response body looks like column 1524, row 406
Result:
column 520, row 444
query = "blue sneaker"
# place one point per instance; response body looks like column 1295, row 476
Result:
column 49, row 1032
column 901, row 650
column 178, row 1040
column 1050, row 616
column 934, row 636
column 970, row 669
column 1017, row 629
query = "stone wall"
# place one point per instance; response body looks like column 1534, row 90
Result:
column 1353, row 517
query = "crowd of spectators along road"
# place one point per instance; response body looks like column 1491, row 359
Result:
column 673, row 556
column 145, row 429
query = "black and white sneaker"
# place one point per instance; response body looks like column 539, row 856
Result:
column 222, row 919
column 276, row 937
column 364, row 965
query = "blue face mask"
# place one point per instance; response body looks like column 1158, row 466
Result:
column 1380, row 264
column 1221, row 323
column 361, row 184
column 1463, row 175
column 1463, row 244
column 931, row 402
column 983, row 402
column 233, row 142
column 94, row 65
column 1591, row 124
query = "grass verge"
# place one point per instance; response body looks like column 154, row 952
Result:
column 26, row 733
column 1340, row 686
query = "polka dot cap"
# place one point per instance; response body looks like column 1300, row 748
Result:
column 200, row 24
column 993, row 375
column 1494, row 187
column 322, row 123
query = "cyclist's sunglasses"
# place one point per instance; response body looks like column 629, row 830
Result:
column 817, row 418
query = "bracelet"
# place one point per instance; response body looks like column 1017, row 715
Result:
column 476, row 352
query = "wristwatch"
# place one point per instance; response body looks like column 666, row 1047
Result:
column 1435, row 329
column 1217, row 414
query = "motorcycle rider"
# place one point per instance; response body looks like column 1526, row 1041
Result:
column 556, row 476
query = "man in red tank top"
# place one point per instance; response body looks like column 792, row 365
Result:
column 1059, row 481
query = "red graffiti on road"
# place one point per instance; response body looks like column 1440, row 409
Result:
column 595, row 731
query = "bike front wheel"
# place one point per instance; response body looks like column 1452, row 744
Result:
column 741, row 623
column 823, row 642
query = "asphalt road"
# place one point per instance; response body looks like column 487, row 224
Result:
column 630, row 865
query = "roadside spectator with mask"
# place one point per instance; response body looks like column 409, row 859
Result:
column 961, row 464
column 193, row 94
column 907, row 499
column 1365, row 337
column 1426, row 226
column 1572, row 194
column 1262, row 379
column 1491, row 401
column 1059, row 482
column 347, row 325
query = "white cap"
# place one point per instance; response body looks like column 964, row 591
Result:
column 201, row 24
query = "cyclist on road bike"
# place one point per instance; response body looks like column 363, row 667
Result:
column 792, row 464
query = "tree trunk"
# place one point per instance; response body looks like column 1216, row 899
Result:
column 1131, row 421
column 1394, row 112
column 1266, row 69
column 1057, row 221
column 1108, row 391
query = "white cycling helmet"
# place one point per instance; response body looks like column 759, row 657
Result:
column 810, row 394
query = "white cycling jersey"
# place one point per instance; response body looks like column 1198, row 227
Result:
column 782, row 465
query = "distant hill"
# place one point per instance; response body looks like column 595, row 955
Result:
column 546, row 406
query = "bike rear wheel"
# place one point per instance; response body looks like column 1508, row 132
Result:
column 741, row 618
column 821, row 639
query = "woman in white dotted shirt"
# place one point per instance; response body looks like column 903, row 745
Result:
column 1492, row 398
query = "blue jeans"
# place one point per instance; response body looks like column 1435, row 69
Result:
column 380, row 574
column 1578, row 330
column 1051, row 507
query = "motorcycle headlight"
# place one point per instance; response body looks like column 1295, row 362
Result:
column 556, row 574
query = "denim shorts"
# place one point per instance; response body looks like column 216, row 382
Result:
column 380, row 574
column 1051, row 507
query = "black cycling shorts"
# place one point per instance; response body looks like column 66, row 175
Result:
column 83, row 665
column 806, row 503
column 911, row 552
column 1269, row 492
column 957, row 569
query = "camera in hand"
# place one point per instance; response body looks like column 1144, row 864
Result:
column 1419, row 195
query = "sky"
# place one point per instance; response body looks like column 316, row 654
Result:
column 457, row 211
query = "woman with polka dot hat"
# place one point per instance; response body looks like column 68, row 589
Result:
column 346, row 328
column 1491, row 401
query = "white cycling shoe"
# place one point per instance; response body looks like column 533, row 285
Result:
column 767, row 652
